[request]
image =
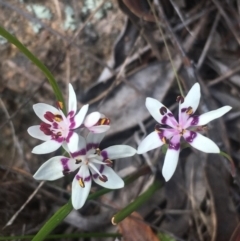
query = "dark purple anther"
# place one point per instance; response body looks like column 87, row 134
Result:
column 180, row 99
column 49, row 116
column 163, row 110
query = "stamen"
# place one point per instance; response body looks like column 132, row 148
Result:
column 182, row 132
column 180, row 99
column 189, row 110
column 60, row 105
column 98, row 151
column 164, row 140
column 45, row 128
column 58, row 118
column 163, row 110
column 103, row 178
column 77, row 161
column 109, row 162
column 81, row 182
column 103, row 121
column 59, row 133
column 158, row 128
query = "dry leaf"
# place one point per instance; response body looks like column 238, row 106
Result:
column 134, row 229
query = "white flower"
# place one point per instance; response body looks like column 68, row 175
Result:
column 93, row 164
column 186, row 127
column 57, row 129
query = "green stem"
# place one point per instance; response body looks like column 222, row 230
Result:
column 125, row 212
column 75, row 235
column 62, row 213
column 37, row 62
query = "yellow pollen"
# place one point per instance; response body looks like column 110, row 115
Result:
column 58, row 118
column 98, row 151
column 164, row 140
column 189, row 110
column 59, row 134
column 81, row 182
column 182, row 132
column 60, row 104
column 78, row 161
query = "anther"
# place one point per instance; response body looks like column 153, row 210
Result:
column 158, row 128
column 163, row 110
column 81, row 182
column 58, row 118
column 59, row 133
column 60, row 105
column 189, row 110
column 164, row 140
column 103, row 178
column 98, row 151
column 103, row 121
column 77, row 161
column 180, row 99
column 108, row 162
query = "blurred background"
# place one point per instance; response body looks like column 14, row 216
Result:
column 113, row 52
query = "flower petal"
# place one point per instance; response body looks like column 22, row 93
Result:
column 207, row 117
column 35, row 132
column 191, row 100
column 170, row 163
column 152, row 141
column 113, row 180
column 40, row 109
column 160, row 112
column 92, row 119
column 99, row 129
column 80, row 190
column 46, row 147
column 72, row 141
column 81, row 147
column 201, row 142
column 55, row 168
column 118, row 151
column 79, row 117
column 72, row 101
column 93, row 140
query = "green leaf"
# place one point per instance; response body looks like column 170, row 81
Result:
column 37, row 62
column 165, row 237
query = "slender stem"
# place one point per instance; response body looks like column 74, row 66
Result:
column 168, row 51
column 118, row 217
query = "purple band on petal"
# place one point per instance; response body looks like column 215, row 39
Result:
column 71, row 113
column 57, row 138
column 87, row 179
column 69, row 136
column 164, row 120
column 100, row 170
column 195, row 120
column 64, row 162
column 174, row 146
column 92, row 145
column 55, row 125
column 191, row 137
column 160, row 134
column 79, row 153
column 183, row 110
column 104, row 155
column 170, row 114
column 73, row 123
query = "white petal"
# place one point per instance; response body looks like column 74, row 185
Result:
column 92, row 119
column 113, row 180
column 80, row 194
column 81, row 147
column 54, row 168
column 72, row 100
column 170, row 163
column 153, row 107
column 99, row 129
column 150, row 142
column 118, row 151
column 35, row 132
column 72, row 141
column 201, row 142
column 94, row 138
column 41, row 109
column 192, row 98
column 79, row 117
column 46, row 147
column 211, row 115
